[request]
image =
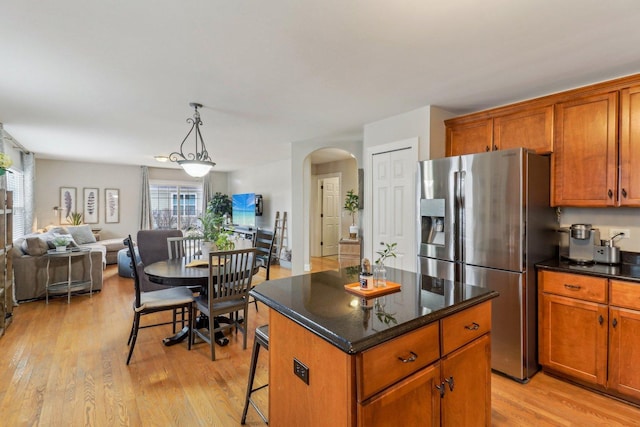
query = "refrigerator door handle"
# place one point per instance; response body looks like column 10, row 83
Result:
column 458, row 222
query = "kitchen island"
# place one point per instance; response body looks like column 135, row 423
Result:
column 419, row 356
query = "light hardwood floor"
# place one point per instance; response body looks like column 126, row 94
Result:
column 64, row 365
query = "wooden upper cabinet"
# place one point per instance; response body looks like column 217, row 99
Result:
column 629, row 189
column 531, row 128
column 584, row 168
column 469, row 137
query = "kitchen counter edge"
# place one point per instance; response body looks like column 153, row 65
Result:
column 382, row 336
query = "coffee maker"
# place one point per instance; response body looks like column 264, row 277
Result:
column 582, row 240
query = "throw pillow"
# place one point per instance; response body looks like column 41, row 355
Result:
column 36, row 246
column 82, row 234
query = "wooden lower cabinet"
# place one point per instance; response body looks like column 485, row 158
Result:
column 406, row 381
column 396, row 406
column 467, row 380
column 595, row 343
column 451, row 391
column 573, row 338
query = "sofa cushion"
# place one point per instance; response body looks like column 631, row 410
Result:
column 36, row 246
column 82, row 234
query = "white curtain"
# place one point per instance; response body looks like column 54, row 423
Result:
column 29, row 181
column 206, row 193
column 146, row 222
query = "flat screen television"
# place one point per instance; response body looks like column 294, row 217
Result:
column 244, row 209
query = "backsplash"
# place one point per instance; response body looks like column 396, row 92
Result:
column 605, row 219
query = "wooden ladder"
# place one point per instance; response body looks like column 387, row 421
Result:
column 280, row 230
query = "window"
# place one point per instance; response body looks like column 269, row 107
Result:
column 175, row 205
column 15, row 183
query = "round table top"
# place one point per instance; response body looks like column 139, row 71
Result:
column 68, row 252
column 174, row 272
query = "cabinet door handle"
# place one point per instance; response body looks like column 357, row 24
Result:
column 487, row 148
column 472, row 327
column 450, row 382
column 610, row 193
column 495, row 147
column 624, row 193
column 441, row 389
column 572, row 287
column 600, row 319
column 615, row 322
column 411, row 358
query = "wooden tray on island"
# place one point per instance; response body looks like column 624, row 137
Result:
column 354, row 288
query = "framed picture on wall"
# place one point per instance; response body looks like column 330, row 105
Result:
column 67, row 204
column 90, row 206
column 111, row 205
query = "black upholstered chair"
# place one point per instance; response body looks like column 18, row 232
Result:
column 170, row 299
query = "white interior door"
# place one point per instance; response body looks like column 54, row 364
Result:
column 393, row 197
column 330, row 215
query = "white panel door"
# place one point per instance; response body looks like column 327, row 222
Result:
column 394, row 205
column 330, row 215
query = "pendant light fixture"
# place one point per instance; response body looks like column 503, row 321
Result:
column 196, row 164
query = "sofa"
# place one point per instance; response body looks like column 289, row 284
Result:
column 29, row 260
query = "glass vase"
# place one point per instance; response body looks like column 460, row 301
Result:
column 380, row 276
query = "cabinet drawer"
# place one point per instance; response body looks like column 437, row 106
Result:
column 464, row 327
column 574, row 286
column 625, row 294
column 394, row 360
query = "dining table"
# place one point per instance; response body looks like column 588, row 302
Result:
column 179, row 272
column 182, row 272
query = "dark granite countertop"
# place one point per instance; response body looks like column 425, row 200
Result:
column 319, row 303
column 623, row 271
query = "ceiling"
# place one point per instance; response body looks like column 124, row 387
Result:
column 111, row 82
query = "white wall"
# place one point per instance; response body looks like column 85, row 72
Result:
column 425, row 123
column 53, row 174
column 273, row 181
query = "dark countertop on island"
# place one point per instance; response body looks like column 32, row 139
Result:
column 319, row 303
column 623, row 271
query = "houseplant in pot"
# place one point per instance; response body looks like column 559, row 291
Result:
column 216, row 237
column 351, row 204
column 60, row 242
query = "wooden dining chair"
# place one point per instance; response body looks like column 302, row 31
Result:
column 263, row 242
column 230, row 274
column 170, row 299
column 185, row 246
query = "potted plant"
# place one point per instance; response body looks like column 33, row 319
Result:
column 75, row 218
column 215, row 236
column 60, row 242
column 351, row 205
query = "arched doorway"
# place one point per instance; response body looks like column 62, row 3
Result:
column 334, row 171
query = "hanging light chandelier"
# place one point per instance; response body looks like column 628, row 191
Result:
column 196, row 164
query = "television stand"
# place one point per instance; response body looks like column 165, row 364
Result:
column 243, row 232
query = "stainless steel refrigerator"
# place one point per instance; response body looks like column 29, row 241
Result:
column 484, row 219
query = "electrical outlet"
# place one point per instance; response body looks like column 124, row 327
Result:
column 614, row 231
column 301, row 371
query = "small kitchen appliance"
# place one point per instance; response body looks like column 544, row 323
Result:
column 606, row 252
column 582, row 241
